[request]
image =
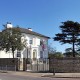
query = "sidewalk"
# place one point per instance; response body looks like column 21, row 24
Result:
column 25, row 73
column 63, row 75
column 57, row 75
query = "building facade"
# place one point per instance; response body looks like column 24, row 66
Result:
column 36, row 46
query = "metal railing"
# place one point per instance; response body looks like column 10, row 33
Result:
column 38, row 65
column 5, row 68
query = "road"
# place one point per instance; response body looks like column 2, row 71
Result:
column 6, row 76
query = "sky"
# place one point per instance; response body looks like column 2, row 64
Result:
column 43, row 16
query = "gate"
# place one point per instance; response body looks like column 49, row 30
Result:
column 36, row 65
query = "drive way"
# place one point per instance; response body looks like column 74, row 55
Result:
column 19, row 76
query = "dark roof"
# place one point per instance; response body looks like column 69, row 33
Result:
column 23, row 30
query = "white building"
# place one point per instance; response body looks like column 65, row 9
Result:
column 37, row 46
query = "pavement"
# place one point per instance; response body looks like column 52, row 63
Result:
column 36, row 74
column 63, row 75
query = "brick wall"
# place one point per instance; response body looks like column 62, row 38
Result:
column 64, row 65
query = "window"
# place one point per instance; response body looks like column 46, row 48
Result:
column 30, row 41
column 41, row 42
column 41, row 54
column 18, row 54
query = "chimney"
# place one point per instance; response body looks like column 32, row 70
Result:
column 9, row 25
column 30, row 29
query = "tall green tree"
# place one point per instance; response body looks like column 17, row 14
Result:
column 10, row 39
column 70, row 32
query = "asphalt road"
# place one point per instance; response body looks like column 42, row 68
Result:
column 6, row 76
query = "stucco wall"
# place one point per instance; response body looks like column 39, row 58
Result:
column 31, row 47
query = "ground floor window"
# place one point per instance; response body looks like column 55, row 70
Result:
column 18, row 53
column 41, row 54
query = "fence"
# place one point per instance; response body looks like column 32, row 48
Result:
column 7, row 68
column 9, row 64
column 34, row 65
column 64, row 65
column 37, row 65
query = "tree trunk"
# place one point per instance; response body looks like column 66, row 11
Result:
column 73, row 46
column 73, row 50
column 13, row 53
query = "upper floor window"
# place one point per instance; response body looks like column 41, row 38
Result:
column 30, row 41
